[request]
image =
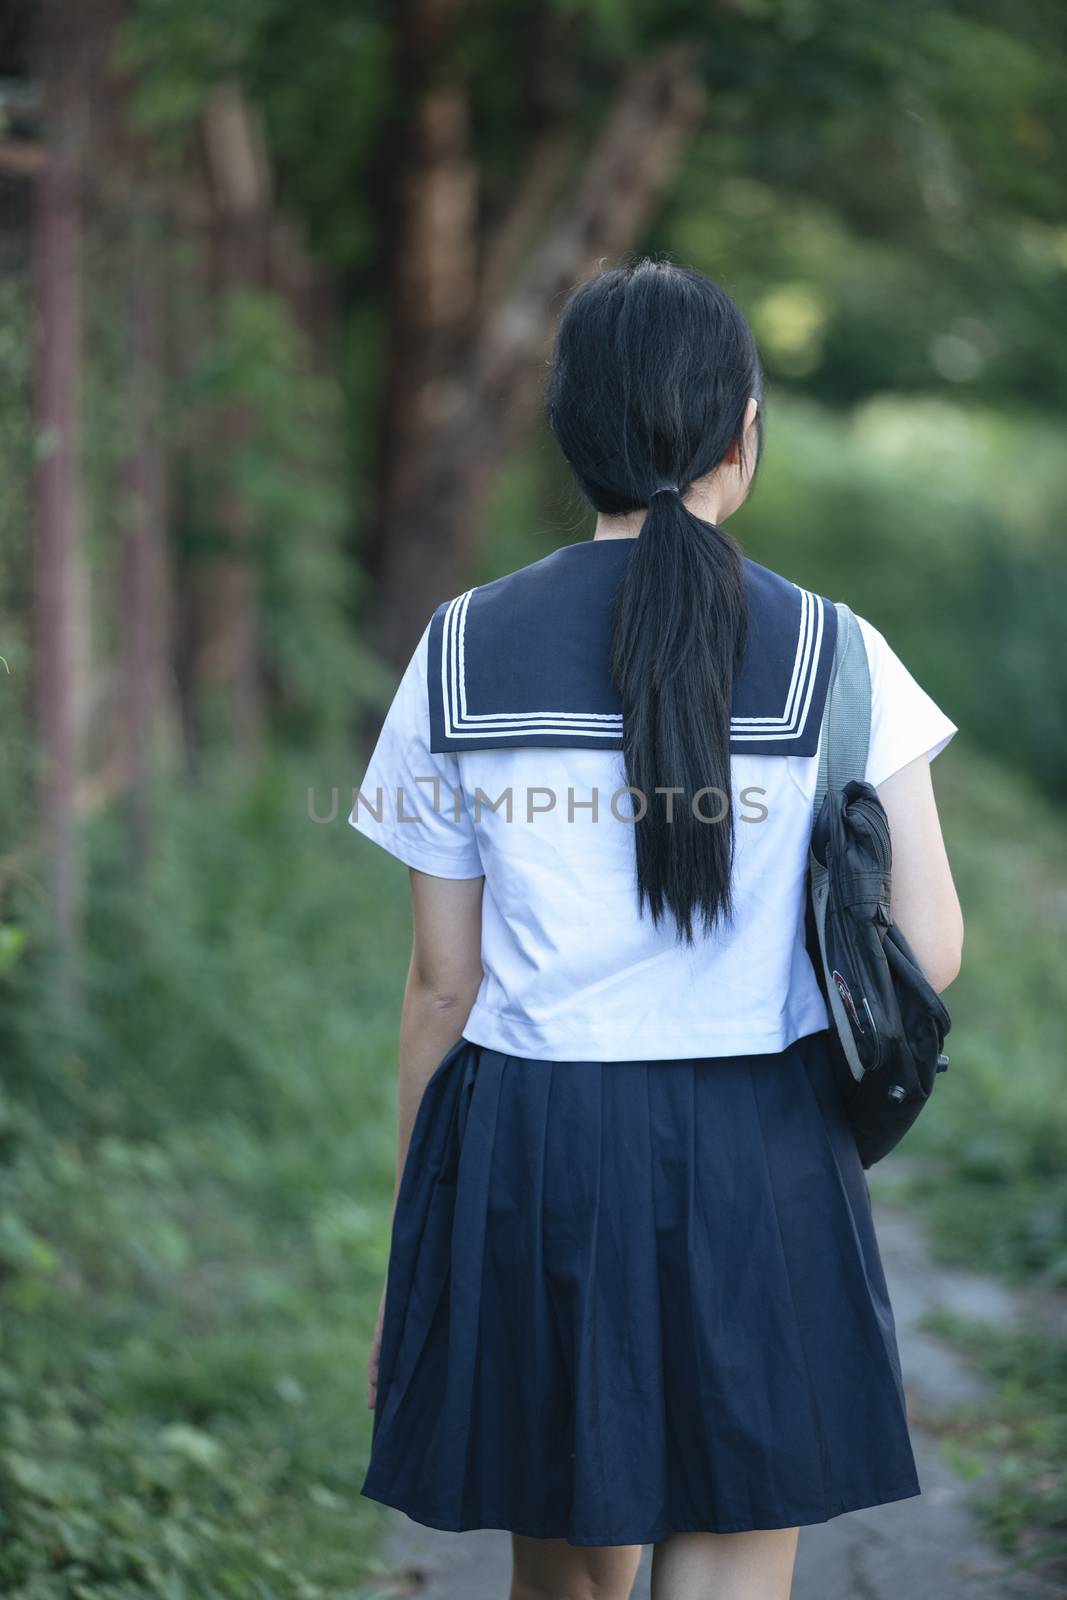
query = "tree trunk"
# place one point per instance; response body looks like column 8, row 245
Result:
column 463, row 390
column 228, row 663
column 430, row 252
column 146, row 606
column 123, row 189
column 59, row 625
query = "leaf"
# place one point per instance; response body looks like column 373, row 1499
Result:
column 12, row 941
column 196, row 1446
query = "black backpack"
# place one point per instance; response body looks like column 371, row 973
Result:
column 889, row 1024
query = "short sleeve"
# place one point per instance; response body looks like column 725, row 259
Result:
column 905, row 721
column 409, row 800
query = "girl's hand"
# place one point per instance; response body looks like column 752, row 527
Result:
column 375, row 1354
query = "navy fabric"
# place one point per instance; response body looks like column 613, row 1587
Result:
column 524, row 660
column 633, row 1298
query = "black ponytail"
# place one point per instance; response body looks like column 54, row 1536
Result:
column 651, row 375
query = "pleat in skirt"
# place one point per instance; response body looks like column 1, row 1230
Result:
column 632, row 1298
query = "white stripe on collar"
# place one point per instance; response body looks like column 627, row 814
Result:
column 459, row 723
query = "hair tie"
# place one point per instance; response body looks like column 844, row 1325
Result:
column 664, row 488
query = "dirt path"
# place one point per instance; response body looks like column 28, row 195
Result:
column 928, row 1546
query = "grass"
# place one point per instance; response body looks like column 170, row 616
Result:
column 193, row 1203
column 986, row 1165
column 1015, row 1440
column 989, row 1154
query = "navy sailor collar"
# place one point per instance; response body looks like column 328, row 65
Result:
column 524, row 660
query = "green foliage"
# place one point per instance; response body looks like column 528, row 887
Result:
column 992, row 1182
column 846, row 308
column 282, row 467
column 941, row 525
column 1016, row 1439
column 194, row 1183
column 177, row 54
column 899, row 176
column 991, row 81
column 320, row 74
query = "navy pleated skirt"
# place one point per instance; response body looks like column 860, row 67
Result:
column 632, row 1298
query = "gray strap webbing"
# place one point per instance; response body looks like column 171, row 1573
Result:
column 846, row 732
column 846, row 729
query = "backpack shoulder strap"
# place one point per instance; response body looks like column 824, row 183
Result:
column 846, row 730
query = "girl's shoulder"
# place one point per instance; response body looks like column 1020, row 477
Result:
column 525, row 659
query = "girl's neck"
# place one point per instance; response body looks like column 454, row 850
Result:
column 705, row 500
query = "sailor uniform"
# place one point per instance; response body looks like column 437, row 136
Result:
column 634, row 1285
column 557, row 612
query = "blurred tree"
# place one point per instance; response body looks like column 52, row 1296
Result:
column 451, row 162
column 465, row 257
column 239, row 184
column 59, row 627
column 127, row 202
column 462, row 364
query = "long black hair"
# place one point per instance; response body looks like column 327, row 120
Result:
column 651, row 373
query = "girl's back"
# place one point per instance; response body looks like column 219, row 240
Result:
column 464, row 783
column 634, row 1292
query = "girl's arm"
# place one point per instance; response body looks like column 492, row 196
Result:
column 443, row 979
column 925, row 905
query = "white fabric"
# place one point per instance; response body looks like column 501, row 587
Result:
column 572, row 973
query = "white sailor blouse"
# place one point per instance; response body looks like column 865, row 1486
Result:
column 501, row 756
